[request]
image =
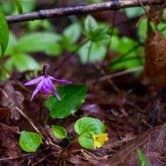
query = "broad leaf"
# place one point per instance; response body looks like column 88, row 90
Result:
column 28, row 6
column 72, row 32
column 142, row 160
column 90, row 24
column 72, row 97
column 59, row 131
column 142, row 29
column 36, row 24
column 89, row 124
column 95, row 52
column 11, row 45
column 86, row 140
column 39, row 42
column 8, row 68
column 4, row 33
column 129, row 59
column 134, row 12
column 24, row 62
column 162, row 28
column 29, row 141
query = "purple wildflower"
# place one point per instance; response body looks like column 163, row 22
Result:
column 45, row 84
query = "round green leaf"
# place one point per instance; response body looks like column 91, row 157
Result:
column 72, row 96
column 86, row 140
column 59, row 131
column 29, row 141
column 89, row 124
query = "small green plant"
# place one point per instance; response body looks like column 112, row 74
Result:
column 97, row 40
column 91, row 133
column 65, row 101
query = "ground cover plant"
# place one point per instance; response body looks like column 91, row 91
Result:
column 83, row 83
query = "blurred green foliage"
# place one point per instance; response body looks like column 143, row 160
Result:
column 17, row 6
column 90, row 39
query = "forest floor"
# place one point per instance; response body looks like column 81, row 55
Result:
column 133, row 113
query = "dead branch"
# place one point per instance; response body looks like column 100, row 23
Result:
column 82, row 9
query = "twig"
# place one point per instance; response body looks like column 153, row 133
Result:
column 29, row 120
column 42, row 159
column 14, row 158
column 22, row 113
column 120, row 73
column 81, row 9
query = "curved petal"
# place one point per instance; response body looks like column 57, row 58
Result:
column 54, row 89
column 60, row 81
column 38, row 88
column 34, row 81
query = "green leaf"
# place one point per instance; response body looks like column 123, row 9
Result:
column 90, row 24
column 142, row 160
column 59, row 131
column 11, row 45
column 97, row 52
column 122, row 46
column 19, row 6
column 134, row 12
column 86, row 140
column 99, row 34
column 8, row 68
column 162, row 28
column 7, row 7
column 72, row 97
column 29, row 141
column 89, row 124
column 72, row 32
column 142, row 29
column 67, row 45
column 164, row 15
column 28, row 6
column 4, row 33
column 39, row 42
column 34, row 25
column 24, row 62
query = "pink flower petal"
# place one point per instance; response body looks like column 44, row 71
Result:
column 37, row 89
column 34, row 81
column 60, row 81
column 54, row 90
